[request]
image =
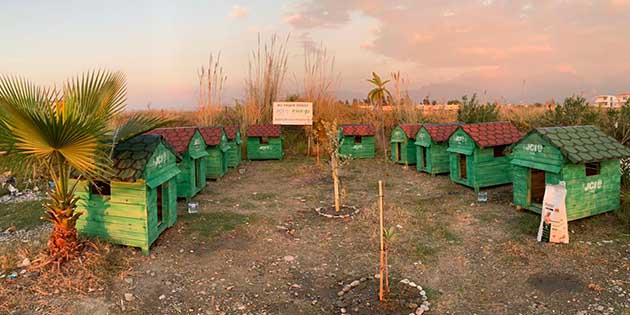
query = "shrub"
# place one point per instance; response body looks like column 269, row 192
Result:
column 471, row 111
column 573, row 111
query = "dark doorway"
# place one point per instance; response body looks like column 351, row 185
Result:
column 198, row 180
column 463, row 171
column 398, row 149
column 358, row 139
column 160, row 204
column 536, row 186
column 423, row 156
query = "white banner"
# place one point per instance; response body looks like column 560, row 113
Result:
column 293, row 113
column 554, row 227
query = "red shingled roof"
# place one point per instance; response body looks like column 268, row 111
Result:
column 230, row 131
column 178, row 138
column 493, row 134
column 411, row 130
column 264, row 131
column 440, row 132
column 212, row 135
column 357, row 130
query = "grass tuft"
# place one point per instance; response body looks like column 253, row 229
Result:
column 22, row 215
column 213, row 224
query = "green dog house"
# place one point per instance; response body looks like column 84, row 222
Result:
column 139, row 202
column 583, row 157
column 477, row 154
column 403, row 143
column 264, row 142
column 431, row 148
column 235, row 153
column 217, row 147
column 188, row 142
column 357, row 141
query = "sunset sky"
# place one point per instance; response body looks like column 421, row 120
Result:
column 510, row 51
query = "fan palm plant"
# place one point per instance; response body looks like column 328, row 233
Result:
column 67, row 134
column 378, row 96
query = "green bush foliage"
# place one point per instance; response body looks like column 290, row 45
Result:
column 573, row 111
column 471, row 111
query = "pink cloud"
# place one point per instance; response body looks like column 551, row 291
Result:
column 238, row 12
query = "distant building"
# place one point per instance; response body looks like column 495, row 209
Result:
column 611, row 101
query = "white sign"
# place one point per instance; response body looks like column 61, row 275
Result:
column 293, row 113
column 533, row 147
column 554, row 227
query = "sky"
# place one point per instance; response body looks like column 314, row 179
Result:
column 510, row 51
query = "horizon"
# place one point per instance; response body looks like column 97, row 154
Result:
column 512, row 52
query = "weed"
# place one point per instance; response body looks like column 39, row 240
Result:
column 264, row 196
column 213, row 224
column 424, row 252
column 524, row 225
column 22, row 215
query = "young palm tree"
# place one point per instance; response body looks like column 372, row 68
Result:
column 67, row 134
column 378, row 95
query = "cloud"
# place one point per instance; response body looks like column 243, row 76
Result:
column 516, row 40
column 238, row 12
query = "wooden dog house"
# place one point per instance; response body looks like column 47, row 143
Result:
column 217, row 147
column 139, row 202
column 357, row 141
column 477, row 154
column 235, row 153
column 403, row 143
column 188, row 142
column 264, row 142
column 431, row 148
column 583, row 157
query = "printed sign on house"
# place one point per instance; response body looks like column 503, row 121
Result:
column 293, row 113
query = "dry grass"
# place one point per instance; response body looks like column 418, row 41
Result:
column 88, row 274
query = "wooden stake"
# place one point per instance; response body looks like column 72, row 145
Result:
column 382, row 247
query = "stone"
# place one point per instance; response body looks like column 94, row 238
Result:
column 162, row 297
column 404, row 281
column 340, row 293
column 412, row 284
column 377, row 276
column 289, row 258
column 25, row 263
column 419, row 311
column 343, row 310
column 129, row 280
column 355, row 283
column 129, row 297
column 346, row 288
column 412, row 306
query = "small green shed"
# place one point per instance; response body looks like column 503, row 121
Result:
column 264, row 142
column 235, row 153
column 188, row 142
column 477, row 154
column 357, row 141
column 584, row 157
column 217, row 147
column 139, row 202
column 403, row 143
column 431, row 146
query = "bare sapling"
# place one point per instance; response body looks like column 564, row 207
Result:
column 337, row 161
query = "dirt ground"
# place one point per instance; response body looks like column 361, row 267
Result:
column 258, row 247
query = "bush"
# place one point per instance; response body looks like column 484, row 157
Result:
column 472, row 112
column 573, row 111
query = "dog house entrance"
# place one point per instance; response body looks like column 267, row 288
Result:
column 462, row 167
column 423, row 156
column 160, row 201
column 537, row 186
column 398, row 149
